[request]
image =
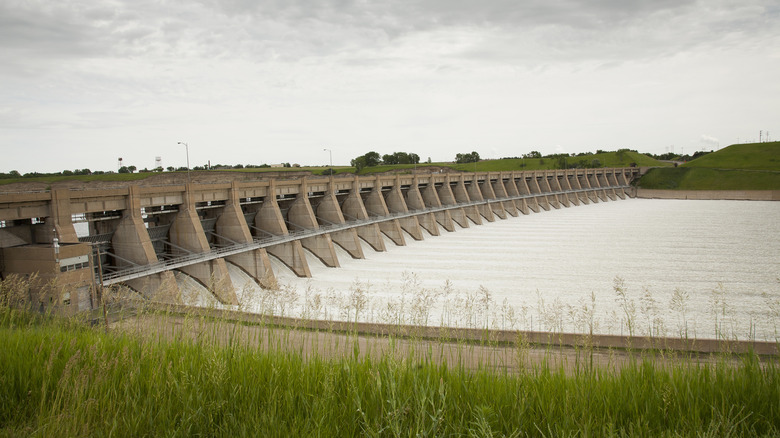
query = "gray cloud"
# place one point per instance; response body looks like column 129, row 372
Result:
column 296, row 71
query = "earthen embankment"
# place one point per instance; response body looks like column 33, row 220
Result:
column 739, row 195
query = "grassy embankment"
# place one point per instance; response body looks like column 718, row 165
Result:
column 753, row 166
column 607, row 159
column 62, row 378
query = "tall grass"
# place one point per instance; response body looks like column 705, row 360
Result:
column 188, row 376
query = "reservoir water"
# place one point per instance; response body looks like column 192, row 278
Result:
column 700, row 269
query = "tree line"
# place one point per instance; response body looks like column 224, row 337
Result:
column 371, row 159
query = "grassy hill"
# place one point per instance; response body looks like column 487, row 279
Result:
column 752, row 156
column 754, row 166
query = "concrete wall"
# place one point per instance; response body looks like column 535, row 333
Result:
column 740, row 195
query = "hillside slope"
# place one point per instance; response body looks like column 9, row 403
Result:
column 752, row 156
column 754, row 166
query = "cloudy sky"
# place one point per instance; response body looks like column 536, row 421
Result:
column 83, row 82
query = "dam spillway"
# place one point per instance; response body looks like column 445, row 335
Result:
column 138, row 235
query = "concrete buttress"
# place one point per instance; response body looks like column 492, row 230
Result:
column 232, row 225
column 575, row 184
column 528, row 204
column 396, row 204
column 60, row 218
column 541, row 200
column 187, row 232
column 555, row 184
column 376, row 206
column 609, row 191
column 446, row 197
column 354, row 208
column 414, row 201
column 565, row 183
column 486, row 189
column 595, row 184
column 462, row 195
column 475, row 194
column 431, row 199
column 131, row 242
column 511, row 190
column 612, row 180
column 328, row 210
column 500, row 190
column 269, row 219
column 302, row 215
column 552, row 199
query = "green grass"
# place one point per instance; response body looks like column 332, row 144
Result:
column 61, row 378
column 86, row 178
column 753, row 166
column 751, row 156
column 686, row 178
column 607, row 159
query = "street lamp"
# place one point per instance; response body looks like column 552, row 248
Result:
column 187, row 149
column 330, row 154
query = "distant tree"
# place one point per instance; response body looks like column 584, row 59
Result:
column 158, row 169
column 359, row 163
column 390, row 159
column 370, row 159
column 533, row 154
column 14, row 174
column 67, row 172
column 131, row 168
column 238, row 166
column 170, row 168
column 472, row 157
column 401, row 158
column 124, row 169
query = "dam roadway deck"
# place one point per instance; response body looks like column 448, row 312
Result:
column 138, row 235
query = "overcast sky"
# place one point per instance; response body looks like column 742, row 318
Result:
column 84, row 82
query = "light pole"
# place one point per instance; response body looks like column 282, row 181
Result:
column 187, row 149
column 330, row 154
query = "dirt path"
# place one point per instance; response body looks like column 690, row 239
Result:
column 331, row 344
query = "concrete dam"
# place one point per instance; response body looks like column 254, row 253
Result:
column 137, row 235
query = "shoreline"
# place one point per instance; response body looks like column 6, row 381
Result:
column 725, row 195
column 493, row 337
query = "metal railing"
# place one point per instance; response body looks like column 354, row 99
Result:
column 134, row 272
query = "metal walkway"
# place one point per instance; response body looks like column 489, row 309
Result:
column 135, row 272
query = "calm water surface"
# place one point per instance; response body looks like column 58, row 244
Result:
column 708, row 268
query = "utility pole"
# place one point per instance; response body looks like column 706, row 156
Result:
column 100, row 287
column 187, row 149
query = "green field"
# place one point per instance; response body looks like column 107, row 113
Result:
column 751, row 156
column 606, row 159
column 63, row 378
column 753, row 166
